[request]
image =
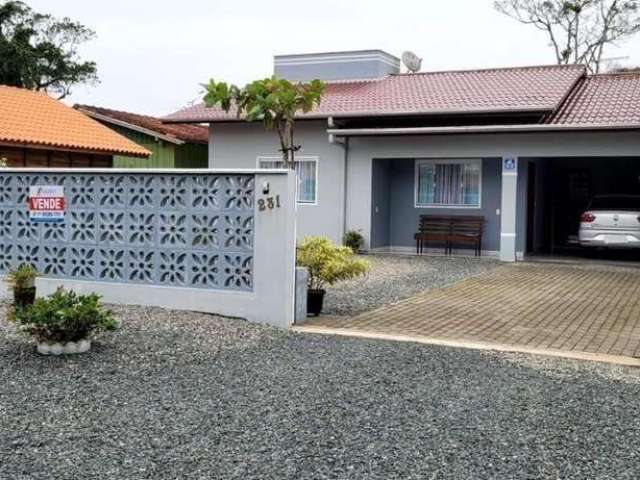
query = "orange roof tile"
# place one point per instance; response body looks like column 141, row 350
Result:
column 34, row 118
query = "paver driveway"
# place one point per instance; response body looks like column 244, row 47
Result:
column 589, row 309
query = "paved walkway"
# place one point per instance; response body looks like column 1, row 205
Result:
column 538, row 307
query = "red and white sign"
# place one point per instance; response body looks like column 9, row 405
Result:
column 46, row 203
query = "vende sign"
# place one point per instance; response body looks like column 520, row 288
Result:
column 46, row 203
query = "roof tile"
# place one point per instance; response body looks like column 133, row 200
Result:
column 186, row 133
column 34, row 118
column 487, row 91
column 606, row 99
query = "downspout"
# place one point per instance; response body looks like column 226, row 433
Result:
column 345, row 149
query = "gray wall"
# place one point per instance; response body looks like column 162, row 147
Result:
column 238, row 145
column 402, row 220
column 381, row 204
column 572, row 144
column 256, row 261
column 336, row 65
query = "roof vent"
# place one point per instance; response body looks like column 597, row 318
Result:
column 361, row 64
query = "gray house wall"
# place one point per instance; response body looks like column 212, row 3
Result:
column 402, row 215
column 363, row 150
column 381, row 203
column 238, row 145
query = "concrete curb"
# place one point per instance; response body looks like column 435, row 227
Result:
column 584, row 356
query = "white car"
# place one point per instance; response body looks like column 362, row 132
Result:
column 611, row 221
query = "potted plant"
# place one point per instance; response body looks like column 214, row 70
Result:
column 22, row 281
column 64, row 322
column 354, row 240
column 327, row 264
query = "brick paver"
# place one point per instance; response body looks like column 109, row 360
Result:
column 590, row 309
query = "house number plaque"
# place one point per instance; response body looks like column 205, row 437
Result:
column 269, row 203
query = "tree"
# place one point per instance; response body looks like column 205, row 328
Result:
column 273, row 101
column 579, row 30
column 40, row 52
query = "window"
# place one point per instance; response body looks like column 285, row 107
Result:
column 306, row 173
column 448, row 183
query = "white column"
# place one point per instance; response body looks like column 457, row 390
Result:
column 509, row 209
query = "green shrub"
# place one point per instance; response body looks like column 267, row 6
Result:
column 22, row 277
column 328, row 263
column 354, row 240
column 65, row 317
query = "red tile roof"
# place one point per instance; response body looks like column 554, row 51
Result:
column 521, row 89
column 184, row 133
column 602, row 100
column 34, row 118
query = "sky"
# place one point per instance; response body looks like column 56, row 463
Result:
column 152, row 55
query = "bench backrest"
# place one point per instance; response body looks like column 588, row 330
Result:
column 434, row 223
column 463, row 224
column 467, row 225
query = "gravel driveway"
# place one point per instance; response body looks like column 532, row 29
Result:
column 189, row 396
column 396, row 277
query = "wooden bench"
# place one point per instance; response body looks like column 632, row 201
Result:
column 467, row 230
column 433, row 229
column 448, row 231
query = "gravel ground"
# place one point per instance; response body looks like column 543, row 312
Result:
column 190, row 396
column 396, row 277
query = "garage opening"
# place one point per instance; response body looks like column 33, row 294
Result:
column 560, row 190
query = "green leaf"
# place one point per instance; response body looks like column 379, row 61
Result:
column 270, row 100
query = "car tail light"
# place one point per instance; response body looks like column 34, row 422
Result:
column 587, row 217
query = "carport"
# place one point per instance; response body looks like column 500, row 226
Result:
column 557, row 190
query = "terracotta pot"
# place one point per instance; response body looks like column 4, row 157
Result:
column 24, row 297
column 315, row 301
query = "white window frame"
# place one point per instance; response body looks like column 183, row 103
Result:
column 446, row 161
column 315, row 160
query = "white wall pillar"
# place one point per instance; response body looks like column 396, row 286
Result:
column 509, row 209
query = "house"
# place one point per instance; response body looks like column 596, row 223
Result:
column 524, row 147
column 39, row 131
column 171, row 146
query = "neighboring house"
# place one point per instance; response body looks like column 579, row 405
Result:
column 39, row 131
column 524, row 147
column 172, row 146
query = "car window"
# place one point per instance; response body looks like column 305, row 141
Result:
column 615, row 203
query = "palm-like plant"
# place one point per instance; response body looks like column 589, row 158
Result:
column 273, row 101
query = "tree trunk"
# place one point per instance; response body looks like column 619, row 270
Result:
column 292, row 146
column 282, row 135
